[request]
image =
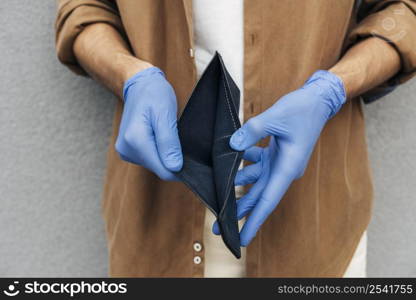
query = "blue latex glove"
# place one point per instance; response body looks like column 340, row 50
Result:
column 148, row 134
column 294, row 124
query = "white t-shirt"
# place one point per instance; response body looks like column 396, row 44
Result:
column 218, row 26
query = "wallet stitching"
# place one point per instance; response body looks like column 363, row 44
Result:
column 236, row 154
column 222, row 137
column 224, row 154
column 229, row 106
column 227, row 190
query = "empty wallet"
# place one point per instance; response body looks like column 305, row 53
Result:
column 210, row 165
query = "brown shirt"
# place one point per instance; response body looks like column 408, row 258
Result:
column 152, row 225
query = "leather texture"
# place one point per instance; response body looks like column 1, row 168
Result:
column 210, row 165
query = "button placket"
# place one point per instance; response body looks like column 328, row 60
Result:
column 197, row 259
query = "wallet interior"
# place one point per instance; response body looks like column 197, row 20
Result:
column 205, row 126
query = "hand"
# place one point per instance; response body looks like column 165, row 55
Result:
column 294, row 124
column 148, row 134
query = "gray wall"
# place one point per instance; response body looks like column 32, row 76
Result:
column 391, row 131
column 54, row 128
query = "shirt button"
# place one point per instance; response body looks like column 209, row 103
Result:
column 197, row 260
column 191, row 52
column 197, row 247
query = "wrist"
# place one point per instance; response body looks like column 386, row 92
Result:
column 367, row 65
column 330, row 88
column 348, row 78
column 141, row 76
column 129, row 66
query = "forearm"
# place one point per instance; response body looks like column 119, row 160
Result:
column 366, row 65
column 103, row 54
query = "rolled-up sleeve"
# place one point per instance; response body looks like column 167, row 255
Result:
column 72, row 17
column 395, row 22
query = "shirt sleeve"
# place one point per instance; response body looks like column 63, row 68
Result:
column 72, row 17
column 395, row 22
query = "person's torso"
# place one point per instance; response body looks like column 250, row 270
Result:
column 152, row 224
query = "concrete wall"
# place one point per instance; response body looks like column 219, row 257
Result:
column 54, row 128
column 391, row 131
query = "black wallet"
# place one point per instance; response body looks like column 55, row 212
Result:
column 205, row 126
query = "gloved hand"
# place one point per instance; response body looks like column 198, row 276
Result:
column 148, row 134
column 294, row 124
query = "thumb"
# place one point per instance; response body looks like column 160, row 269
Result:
column 216, row 228
column 248, row 135
column 167, row 142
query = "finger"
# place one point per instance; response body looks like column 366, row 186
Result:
column 152, row 162
column 249, row 200
column 277, row 185
column 252, row 174
column 253, row 154
column 264, row 207
column 143, row 151
column 167, row 140
column 216, row 228
column 246, row 203
column 249, row 134
column 248, row 175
